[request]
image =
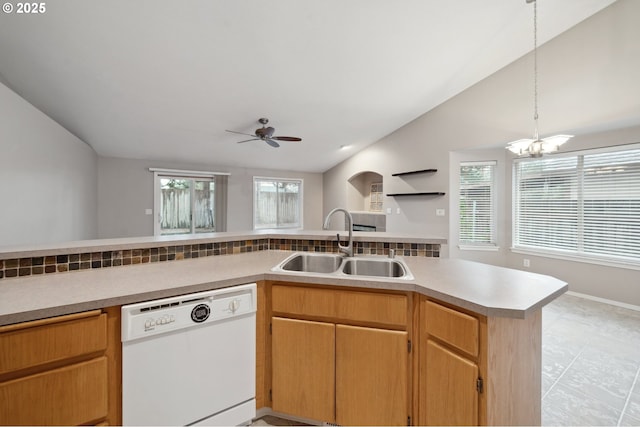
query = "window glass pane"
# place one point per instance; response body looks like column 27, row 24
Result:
column 477, row 206
column 204, row 208
column 277, row 203
column 612, row 204
column 546, row 211
column 288, row 204
column 175, row 206
column 266, row 204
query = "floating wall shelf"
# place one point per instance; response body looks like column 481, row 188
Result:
column 414, row 172
column 429, row 193
column 432, row 193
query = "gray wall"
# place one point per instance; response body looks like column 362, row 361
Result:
column 125, row 189
column 48, row 176
column 587, row 82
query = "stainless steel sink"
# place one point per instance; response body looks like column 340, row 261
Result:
column 383, row 267
column 312, row 263
column 336, row 265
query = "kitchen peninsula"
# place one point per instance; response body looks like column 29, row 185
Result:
column 478, row 324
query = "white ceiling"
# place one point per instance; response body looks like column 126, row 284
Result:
column 163, row 79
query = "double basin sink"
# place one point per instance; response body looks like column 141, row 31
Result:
column 338, row 265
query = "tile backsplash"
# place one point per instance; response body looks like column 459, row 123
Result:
column 20, row 267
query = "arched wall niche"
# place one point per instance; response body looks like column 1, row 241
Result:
column 359, row 191
column 365, row 201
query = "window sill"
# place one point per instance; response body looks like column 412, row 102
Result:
column 277, row 229
column 484, row 248
column 577, row 258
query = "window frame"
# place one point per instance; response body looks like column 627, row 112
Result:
column 300, row 181
column 578, row 255
column 492, row 245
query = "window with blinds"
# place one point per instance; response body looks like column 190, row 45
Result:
column 585, row 205
column 477, row 204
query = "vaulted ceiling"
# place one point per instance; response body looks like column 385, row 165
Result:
column 163, row 79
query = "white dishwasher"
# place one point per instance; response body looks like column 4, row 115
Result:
column 190, row 360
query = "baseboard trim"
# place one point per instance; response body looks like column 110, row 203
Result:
column 604, row 300
column 265, row 411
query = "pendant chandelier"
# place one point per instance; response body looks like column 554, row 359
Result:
column 536, row 147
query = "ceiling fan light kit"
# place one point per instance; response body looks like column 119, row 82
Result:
column 536, row 147
column 266, row 134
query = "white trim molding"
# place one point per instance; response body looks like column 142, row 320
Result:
column 189, row 173
column 604, row 300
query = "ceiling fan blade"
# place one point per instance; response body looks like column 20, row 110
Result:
column 240, row 133
column 247, row 140
column 271, row 142
column 287, row 138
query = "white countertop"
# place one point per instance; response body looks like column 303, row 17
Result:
column 485, row 289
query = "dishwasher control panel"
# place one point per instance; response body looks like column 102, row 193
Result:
column 169, row 314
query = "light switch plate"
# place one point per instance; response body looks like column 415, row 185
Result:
column 440, row 212
column 148, row 211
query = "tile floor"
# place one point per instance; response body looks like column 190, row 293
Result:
column 590, row 365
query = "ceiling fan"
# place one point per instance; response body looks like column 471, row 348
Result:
column 266, row 134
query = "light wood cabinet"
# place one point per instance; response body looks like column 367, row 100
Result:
column 61, row 371
column 460, row 330
column 476, row 370
column 71, row 395
column 341, row 356
column 339, row 305
column 449, row 372
column 450, row 397
column 303, row 368
column 371, row 376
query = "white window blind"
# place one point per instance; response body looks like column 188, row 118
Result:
column 477, row 203
column 586, row 205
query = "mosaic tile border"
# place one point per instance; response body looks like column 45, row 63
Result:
column 359, row 248
column 20, row 267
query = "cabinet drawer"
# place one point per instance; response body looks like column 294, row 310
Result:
column 341, row 305
column 303, row 301
column 73, row 395
column 43, row 341
column 456, row 328
column 380, row 309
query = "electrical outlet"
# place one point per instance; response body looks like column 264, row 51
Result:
column 526, row 262
column 440, row 212
column 388, row 211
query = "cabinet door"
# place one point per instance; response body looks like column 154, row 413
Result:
column 303, row 364
column 72, row 395
column 371, row 376
column 448, row 387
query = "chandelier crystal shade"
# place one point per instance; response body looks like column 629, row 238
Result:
column 536, row 146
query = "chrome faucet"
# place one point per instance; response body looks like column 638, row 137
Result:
column 348, row 250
